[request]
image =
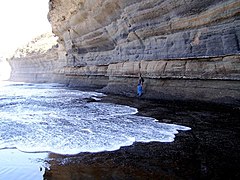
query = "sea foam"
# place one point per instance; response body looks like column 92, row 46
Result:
column 35, row 118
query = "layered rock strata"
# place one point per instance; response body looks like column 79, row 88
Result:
column 109, row 31
column 185, row 50
column 38, row 61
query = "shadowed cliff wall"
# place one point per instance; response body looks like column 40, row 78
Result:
column 185, row 50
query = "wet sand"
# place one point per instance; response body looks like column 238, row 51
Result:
column 211, row 150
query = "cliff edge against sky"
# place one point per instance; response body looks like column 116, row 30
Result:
column 185, row 50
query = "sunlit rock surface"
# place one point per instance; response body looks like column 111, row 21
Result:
column 37, row 61
column 185, row 50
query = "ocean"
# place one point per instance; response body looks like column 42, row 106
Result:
column 50, row 131
column 53, row 118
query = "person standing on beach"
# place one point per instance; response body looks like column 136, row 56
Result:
column 140, row 85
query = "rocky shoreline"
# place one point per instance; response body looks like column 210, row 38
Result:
column 209, row 151
column 186, row 50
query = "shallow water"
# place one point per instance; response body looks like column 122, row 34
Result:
column 37, row 120
column 52, row 118
column 18, row 165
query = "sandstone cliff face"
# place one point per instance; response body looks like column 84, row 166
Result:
column 110, row 31
column 185, row 49
column 38, row 61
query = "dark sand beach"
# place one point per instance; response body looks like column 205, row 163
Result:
column 209, row 151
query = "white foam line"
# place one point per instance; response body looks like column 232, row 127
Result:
column 87, row 130
column 76, row 127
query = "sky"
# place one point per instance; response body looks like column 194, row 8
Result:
column 20, row 22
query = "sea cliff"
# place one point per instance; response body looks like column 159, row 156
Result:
column 185, row 50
